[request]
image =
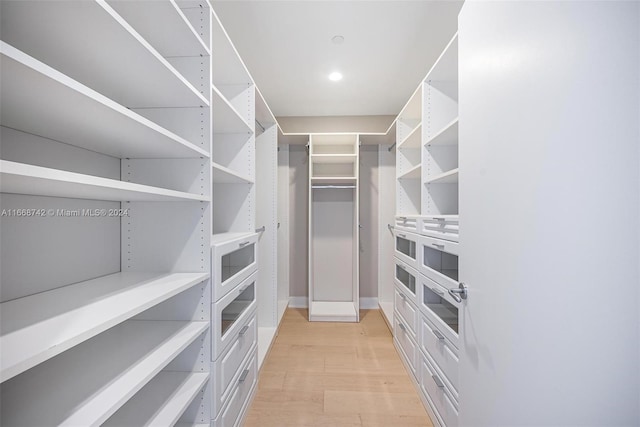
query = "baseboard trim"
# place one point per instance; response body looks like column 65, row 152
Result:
column 369, row 303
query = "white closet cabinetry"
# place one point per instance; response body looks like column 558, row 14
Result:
column 333, row 228
column 426, row 315
column 105, row 207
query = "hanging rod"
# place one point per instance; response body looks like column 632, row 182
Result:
column 391, row 148
column 259, row 124
column 333, row 186
column 261, row 229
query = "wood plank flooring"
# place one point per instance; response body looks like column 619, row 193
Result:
column 335, row 374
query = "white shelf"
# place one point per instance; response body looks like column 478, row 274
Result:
column 266, row 335
column 224, row 175
column 174, row 37
column 41, row 326
column 334, row 180
column 220, row 238
column 161, row 402
column 20, row 178
column 122, row 65
column 88, row 384
column 226, row 118
column 334, row 158
column 337, row 311
column 42, row 101
column 413, row 173
column 447, row 136
column 448, row 177
column 412, row 140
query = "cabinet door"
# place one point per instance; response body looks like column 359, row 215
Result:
column 549, row 107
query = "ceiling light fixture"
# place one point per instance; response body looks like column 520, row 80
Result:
column 335, row 76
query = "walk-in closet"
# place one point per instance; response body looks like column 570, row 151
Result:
column 319, row 213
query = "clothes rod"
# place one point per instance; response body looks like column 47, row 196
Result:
column 333, row 186
column 391, row 148
column 261, row 229
column 259, row 124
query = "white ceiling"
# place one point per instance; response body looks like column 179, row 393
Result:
column 388, row 48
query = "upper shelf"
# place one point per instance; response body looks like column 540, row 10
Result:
column 42, row 101
column 20, row 178
column 226, row 118
column 334, row 158
column 224, row 175
column 413, row 139
column 447, row 136
column 175, row 37
column 101, row 50
column 449, row 177
column 38, row 327
column 87, row 384
column 413, row 173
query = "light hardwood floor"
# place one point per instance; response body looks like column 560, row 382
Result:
column 335, row 374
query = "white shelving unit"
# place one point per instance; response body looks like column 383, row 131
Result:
column 105, row 285
column 333, row 211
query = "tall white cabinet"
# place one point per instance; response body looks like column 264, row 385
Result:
column 333, row 228
column 105, row 181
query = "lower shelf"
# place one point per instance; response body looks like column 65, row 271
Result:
column 333, row 311
column 162, row 401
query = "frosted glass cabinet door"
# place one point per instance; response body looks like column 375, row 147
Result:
column 407, row 246
column 406, row 278
column 233, row 261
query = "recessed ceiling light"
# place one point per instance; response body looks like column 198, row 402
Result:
column 337, row 39
column 335, row 76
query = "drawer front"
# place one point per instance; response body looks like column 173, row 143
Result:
column 442, row 351
column 240, row 394
column 407, row 223
column 227, row 366
column 406, row 278
column 439, row 395
column 441, row 227
column 407, row 311
column 231, row 263
column 231, row 313
column 406, row 345
column 437, row 262
column 440, row 308
column 407, row 246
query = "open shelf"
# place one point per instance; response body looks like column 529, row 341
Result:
column 228, row 68
column 145, row 16
column 336, row 311
column 412, row 140
column 125, row 68
column 334, row 158
column 449, row 177
column 334, row 180
column 38, row 327
column 42, row 101
column 447, row 136
column 413, row 173
column 226, row 119
column 224, row 175
column 20, row 178
column 161, row 402
column 86, row 385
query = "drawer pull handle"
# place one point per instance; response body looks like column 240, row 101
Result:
column 404, row 236
column 438, row 334
column 402, row 266
column 459, row 293
column 243, row 376
column 437, row 291
column 244, row 330
column 437, row 380
column 402, row 327
column 243, row 244
column 438, row 219
column 242, row 290
column 402, row 218
column 403, row 296
column 437, row 245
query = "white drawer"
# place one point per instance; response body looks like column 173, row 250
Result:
column 439, row 261
column 441, row 227
column 232, row 261
column 407, row 223
column 405, row 344
column 231, row 313
column 438, row 394
column 440, row 308
column 406, row 278
column 226, row 368
column 442, row 351
column 407, row 246
column 232, row 413
column 407, row 311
